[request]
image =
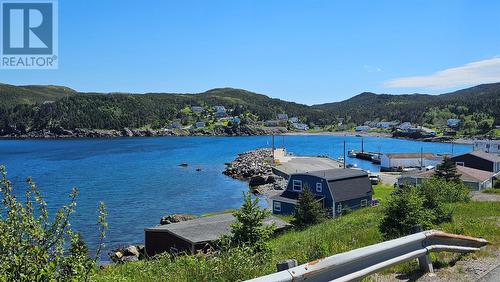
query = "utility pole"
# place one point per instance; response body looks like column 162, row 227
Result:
column 344, row 154
column 362, row 145
column 421, row 157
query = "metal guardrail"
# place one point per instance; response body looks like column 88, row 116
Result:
column 359, row 263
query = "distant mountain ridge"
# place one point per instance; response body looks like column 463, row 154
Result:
column 38, row 107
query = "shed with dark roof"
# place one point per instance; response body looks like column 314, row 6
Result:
column 479, row 160
column 193, row 235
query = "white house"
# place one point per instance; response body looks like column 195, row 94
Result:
column 488, row 146
column 362, row 128
column 282, row 117
column 404, row 126
column 394, row 161
column 196, row 109
column 385, row 124
column 200, row 124
column 300, row 126
column 453, row 122
column 294, row 120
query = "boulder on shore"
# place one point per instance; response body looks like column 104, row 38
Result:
column 174, row 218
column 130, row 253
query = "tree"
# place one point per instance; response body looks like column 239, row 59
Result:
column 447, row 170
column 249, row 230
column 308, row 211
column 404, row 210
column 33, row 247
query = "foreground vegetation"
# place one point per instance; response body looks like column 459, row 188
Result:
column 351, row 231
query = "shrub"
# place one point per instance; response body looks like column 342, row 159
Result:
column 308, row 211
column 404, row 210
column 249, row 230
column 34, row 248
column 447, row 170
column 446, row 191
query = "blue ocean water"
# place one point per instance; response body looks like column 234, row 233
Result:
column 140, row 181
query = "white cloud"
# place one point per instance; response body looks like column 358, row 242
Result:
column 486, row 71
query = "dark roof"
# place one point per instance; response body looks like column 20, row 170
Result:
column 467, row 174
column 350, row 188
column 207, row 229
column 337, row 173
column 410, row 155
column 483, row 155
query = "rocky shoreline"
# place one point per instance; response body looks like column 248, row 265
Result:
column 255, row 167
column 60, row 132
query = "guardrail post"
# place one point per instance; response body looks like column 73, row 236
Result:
column 286, row 264
column 425, row 261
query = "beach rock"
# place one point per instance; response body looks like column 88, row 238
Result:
column 174, row 218
column 183, row 165
column 127, row 132
column 257, row 181
column 129, row 259
column 270, row 179
column 131, row 251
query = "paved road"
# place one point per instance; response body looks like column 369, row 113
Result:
column 492, row 276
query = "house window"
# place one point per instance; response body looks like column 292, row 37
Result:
column 364, row 203
column 319, row 187
column 297, row 185
column 277, row 206
column 339, row 208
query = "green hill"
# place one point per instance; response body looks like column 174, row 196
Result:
column 41, row 107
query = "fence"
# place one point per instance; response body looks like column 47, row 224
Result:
column 359, row 263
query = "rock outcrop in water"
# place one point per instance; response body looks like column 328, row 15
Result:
column 255, row 164
column 174, row 218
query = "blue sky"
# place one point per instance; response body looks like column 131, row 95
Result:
column 305, row 51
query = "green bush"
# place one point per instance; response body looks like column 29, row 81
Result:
column 249, row 230
column 308, row 211
column 34, row 248
column 404, row 209
column 446, row 191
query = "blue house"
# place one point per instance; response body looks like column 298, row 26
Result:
column 336, row 189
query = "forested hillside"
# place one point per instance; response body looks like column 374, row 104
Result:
column 368, row 106
column 40, row 107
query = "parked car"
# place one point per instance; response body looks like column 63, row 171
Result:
column 374, row 179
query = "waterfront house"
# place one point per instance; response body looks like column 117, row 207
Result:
column 200, row 124
column 236, row 120
column 404, row 126
column 336, row 189
column 194, row 235
column 397, row 161
column 362, row 128
column 479, row 160
column 453, row 122
column 386, row 124
column 488, row 146
column 220, row 111
column 300, row 126
column 196, row 109
column 293, row 119
column 474, row 178
column 175, row 125
column 282, row 117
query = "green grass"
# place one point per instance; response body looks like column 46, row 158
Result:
column 218, row 213
column 355, row 230
column 492, row 191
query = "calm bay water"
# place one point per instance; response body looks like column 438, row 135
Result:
column 139, row 178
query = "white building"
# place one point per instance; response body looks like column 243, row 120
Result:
column 300, row 126
column 282, row 117
column 362, row 128
column 294, row 120
column 453, row 122
column 488, row 146
column 407, row 160
column 404, row 126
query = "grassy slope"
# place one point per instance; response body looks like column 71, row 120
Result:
column 352, row 231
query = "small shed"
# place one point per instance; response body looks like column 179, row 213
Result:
column 194, row 235
column 479, row 160
column 404, row 160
